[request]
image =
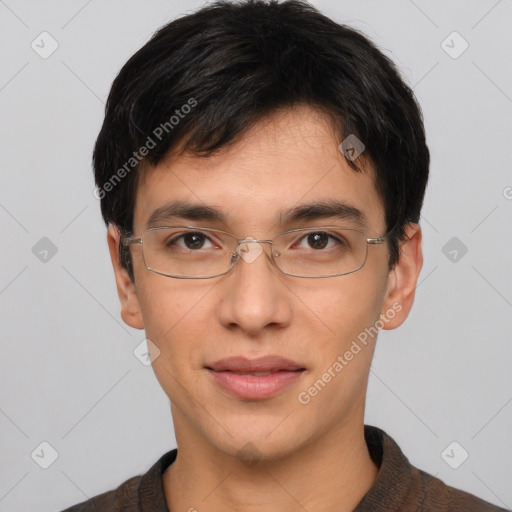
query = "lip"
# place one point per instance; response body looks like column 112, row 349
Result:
column 239, row 375
column 260, row 364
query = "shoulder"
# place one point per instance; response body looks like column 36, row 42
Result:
column 123, row 498
column 439, row 496
column 402, row 487
column 139, row 493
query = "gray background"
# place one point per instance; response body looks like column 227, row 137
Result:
column 68, row 375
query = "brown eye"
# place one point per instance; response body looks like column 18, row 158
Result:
column 194, row 240
column 318, row 240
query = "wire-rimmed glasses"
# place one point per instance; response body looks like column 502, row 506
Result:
column 191, row 252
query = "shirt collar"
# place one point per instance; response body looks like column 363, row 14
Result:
column 398, row 484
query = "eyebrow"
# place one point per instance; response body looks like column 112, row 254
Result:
column 184, row 210
column 305, row 212
column 324, row 209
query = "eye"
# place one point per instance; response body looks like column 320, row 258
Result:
column 193, row 240
column 318, row 240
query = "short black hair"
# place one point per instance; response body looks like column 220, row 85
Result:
column 204, row 79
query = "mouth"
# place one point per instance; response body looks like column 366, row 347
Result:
column 256, row 374
column 255, row 379
column 244, row 365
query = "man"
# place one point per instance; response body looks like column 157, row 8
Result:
column 261, row 170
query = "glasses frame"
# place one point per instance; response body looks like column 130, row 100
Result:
column 127, row 241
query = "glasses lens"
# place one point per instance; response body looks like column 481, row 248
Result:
column 186, row 252
column 320, row 252
column 201, row 253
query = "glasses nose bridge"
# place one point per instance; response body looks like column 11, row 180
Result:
column 253, row 240
column 250, row 253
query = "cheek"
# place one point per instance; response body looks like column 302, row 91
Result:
column 175, row 317
column 174, row 313
column 345, row 314
column 343, row 307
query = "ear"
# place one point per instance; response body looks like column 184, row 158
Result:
column 130, row 308
column 402, row 280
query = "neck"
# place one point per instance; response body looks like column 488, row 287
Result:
column 331, row 473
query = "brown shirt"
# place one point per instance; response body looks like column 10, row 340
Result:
column 399, row 487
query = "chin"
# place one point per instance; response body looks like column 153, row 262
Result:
column 254, row 441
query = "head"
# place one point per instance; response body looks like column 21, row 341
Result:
column 240, row 109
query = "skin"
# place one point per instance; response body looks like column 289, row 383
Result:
column 288, row 159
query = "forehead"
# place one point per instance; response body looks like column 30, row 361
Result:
column 286, row 161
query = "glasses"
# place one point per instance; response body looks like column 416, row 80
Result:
column 190, row 252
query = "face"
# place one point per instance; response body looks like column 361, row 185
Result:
column 289, row 160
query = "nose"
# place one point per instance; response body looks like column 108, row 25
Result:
column 254, row 296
